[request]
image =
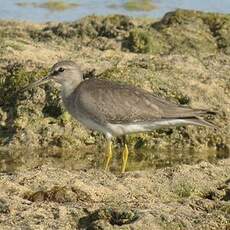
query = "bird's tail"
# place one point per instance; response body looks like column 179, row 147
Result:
column 200, row 122
column 203, row 112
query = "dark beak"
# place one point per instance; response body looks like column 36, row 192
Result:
column 37, row 83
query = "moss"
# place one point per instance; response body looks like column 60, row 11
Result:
column 42, row 36
column 110, row 27
column 144, row 41
column 13, row 79
column 202, row 32
column 135, row 5
column 184, row 189
column 64, row 118
column 53, row 106
column 64, row 30
column 116, row 25
column 179, row 17
column 220, row 28
column 178, row 32
column 89, row 27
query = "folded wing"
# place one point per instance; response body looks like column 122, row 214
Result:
column 110, row 102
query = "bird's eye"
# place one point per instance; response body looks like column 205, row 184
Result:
column 61, row 69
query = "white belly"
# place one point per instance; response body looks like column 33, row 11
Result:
column 122, row 129
column 90, row 123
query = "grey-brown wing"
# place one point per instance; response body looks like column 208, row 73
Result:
column 107, row 101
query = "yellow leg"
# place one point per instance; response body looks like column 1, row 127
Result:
column 109, row 154
column 125, row 155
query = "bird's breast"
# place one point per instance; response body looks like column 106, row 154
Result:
column 78, row 113
column 72, row 107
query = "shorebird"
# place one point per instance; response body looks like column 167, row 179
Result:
column 117, row 109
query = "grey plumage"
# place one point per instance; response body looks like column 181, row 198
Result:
column 117, row 109
column 106, row 101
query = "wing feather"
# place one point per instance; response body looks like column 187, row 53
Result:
column 110, row 102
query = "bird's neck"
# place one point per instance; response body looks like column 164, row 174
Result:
column 69, row 87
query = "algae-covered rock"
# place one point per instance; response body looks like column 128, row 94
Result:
column 50, row 175
column 183, row 58
column 115, row 26
column 179, row 32
column 147, row 41
column 187, row 31
column 184, row 31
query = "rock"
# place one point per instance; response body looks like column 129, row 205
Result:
column 50, row 164
column 185, row 60
column 187, row 196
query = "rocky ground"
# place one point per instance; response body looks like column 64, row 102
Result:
column 184, row 57
column 183, row 197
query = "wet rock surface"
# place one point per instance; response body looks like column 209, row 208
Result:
column 184, row 57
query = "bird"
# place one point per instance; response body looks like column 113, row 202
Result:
column 117, row 109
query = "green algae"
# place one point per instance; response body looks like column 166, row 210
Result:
column 85, row 30
column 204, row 32
column 184, row 189
column 109, row 27
column 219, row 26
column 177, row 32
column 145, row 41
column 13, row 79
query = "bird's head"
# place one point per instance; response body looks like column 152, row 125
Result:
column 66, row 73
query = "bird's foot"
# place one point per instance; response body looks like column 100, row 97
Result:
column 109, row 155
